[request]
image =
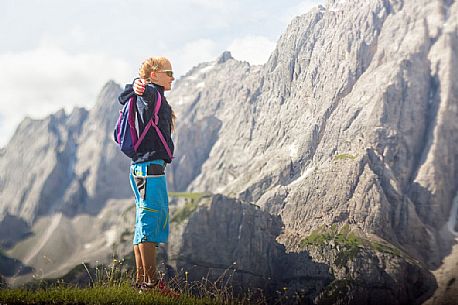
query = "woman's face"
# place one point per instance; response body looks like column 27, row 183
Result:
column 163, row 77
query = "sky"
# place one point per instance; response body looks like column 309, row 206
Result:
column 58, row 54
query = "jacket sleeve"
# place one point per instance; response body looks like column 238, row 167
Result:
column 150, row 96
column 126, row 94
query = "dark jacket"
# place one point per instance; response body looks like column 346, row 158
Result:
column 151, row 148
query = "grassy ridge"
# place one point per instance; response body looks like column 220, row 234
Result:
column 189, row 195
column 191, row 204
column 349, row 244
column 122, row 294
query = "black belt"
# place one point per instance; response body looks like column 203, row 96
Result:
column 155, row 169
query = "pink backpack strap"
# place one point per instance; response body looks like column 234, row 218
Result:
column 156, row 109
column 159, row 133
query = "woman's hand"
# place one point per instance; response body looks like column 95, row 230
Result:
column 139, row 86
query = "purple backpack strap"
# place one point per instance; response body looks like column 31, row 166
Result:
column 151, row 123
column 131, row 120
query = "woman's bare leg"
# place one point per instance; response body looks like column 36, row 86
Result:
column 148, row 256
column 139, row 264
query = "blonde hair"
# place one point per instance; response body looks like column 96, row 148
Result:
column 154, row 64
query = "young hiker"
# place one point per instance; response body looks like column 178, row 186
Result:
column 147, row 172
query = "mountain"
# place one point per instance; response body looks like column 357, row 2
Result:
column 352, row 121
column 64, row 163
column 334, row 165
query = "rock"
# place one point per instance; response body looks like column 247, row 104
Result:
column 224, row 57
column 238, row 240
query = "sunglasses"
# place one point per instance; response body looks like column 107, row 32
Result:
column 168, row 72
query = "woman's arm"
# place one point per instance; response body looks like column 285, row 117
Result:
column 126, row 94
column 138, row 87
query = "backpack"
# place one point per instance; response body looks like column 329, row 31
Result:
column 126, row 134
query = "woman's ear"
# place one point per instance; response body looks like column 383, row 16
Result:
column 152, row 75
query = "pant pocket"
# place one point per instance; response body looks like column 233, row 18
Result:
column 156, row 196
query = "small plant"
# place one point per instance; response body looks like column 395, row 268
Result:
column 193, row 196
column 386, row 248
column 344, row 157
column 183, row 213
column 192, row 201
column 347, row 243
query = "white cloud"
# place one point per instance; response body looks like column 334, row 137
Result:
column 254, row 49
column 213, row 4
column 195, row 52
column 300, row 9
column 43, row 80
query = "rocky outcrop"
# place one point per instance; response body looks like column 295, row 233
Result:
column 10, row 266
column 13, row 228
column 232, row 242
column 237, row 240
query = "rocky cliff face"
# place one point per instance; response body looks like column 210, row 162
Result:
column 226, row 240
column 363, row 91
column 336, row 160
column 351, row 121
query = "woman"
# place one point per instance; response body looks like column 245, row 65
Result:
column 147, row 172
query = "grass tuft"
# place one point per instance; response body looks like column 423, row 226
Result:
column 344, row 157
column 192, row 201
column 347, row 243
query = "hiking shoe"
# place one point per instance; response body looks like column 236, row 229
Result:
column 166, row 290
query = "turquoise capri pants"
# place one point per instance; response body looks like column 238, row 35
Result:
column 152, row 204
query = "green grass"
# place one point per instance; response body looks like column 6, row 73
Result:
column 110, row 284
column 183, row 213
column 349, row 244
column 344, row 157
column 193, row 196
column 191, row 204
column 122, row 294
column 386, row 248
